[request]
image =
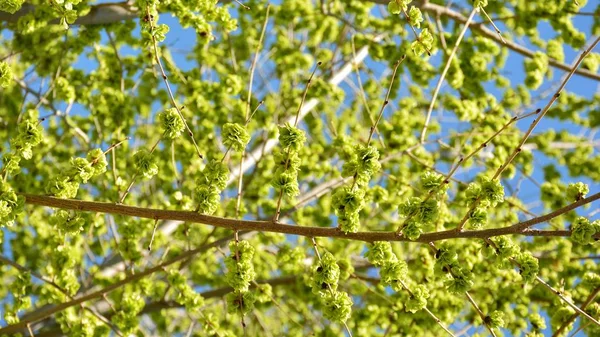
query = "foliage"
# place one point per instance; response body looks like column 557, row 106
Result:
column 304, row 167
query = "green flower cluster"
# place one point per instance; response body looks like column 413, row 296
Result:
column 495, row 319
column 11, row 6
column 29, row 135
column 235, row 136
column 485, row 194
column 361, row 163
column 5, row 70
column 285, row 179
column 11, row 204
column 185, row 294
column 577, row 191
column 423, row 43
column 419, row 214
column 130, row 305
column 347, row 203
column 63, row 261
column 398, row 6
column 20, row 289
column 528, row 266
column 535, row 69
column 171, row 123
column 583, row 231
column 459, row 278
column 66, row 184
column 145, row 163
column 67, row 222
column 240, row 270
column 505, row 249
column 210, row 183
column 326, row 273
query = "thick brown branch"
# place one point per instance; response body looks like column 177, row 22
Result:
column 521, row 228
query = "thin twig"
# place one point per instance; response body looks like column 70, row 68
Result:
column 444, row 72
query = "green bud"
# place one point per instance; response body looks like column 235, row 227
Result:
column 5, row 70
column 577, row 191
column 215, row 174
column 495, row 319
column 337, row 306
column 528, row 265
column 235, row 136
column 171, row 123
column 287, row 182
column 240, row 302
column 291, row 138
column 145, row 163
column 393, row 271
column 418, row 300
column 207, row 198
column 380, row 252
column 326, row 273
column 582, row 231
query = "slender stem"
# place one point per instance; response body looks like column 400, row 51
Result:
column 170, row 92
column 288, row 153
column 444, row 72
column 435, row 318
column 541, row 115
column 386, row 102
column 481, row 314
column 569, row 303
column 571, row 319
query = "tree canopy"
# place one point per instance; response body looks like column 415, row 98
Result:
column 299, row 167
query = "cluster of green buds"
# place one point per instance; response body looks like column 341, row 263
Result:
column 583, row 231
column 214, row 176
column 5, row 70
column 422, row 213
column 535, row 69
column 424, row 42
column 501, row 251
column 393, row 272
column 127, row 316
column 20, row 288
column 63, row 261
column 29, row 135
column 485, row 194
column 459, row 278
column 240, row 274
column 212, row 180
column 67, row 222
column 185, row 294
column 347, row 202
column 66, row 184
column 11, row 204
column 337, row 305
column 287, row 161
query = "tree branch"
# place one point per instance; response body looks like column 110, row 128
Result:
column 41, row 314
column 99, row 14
column 521, row 228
